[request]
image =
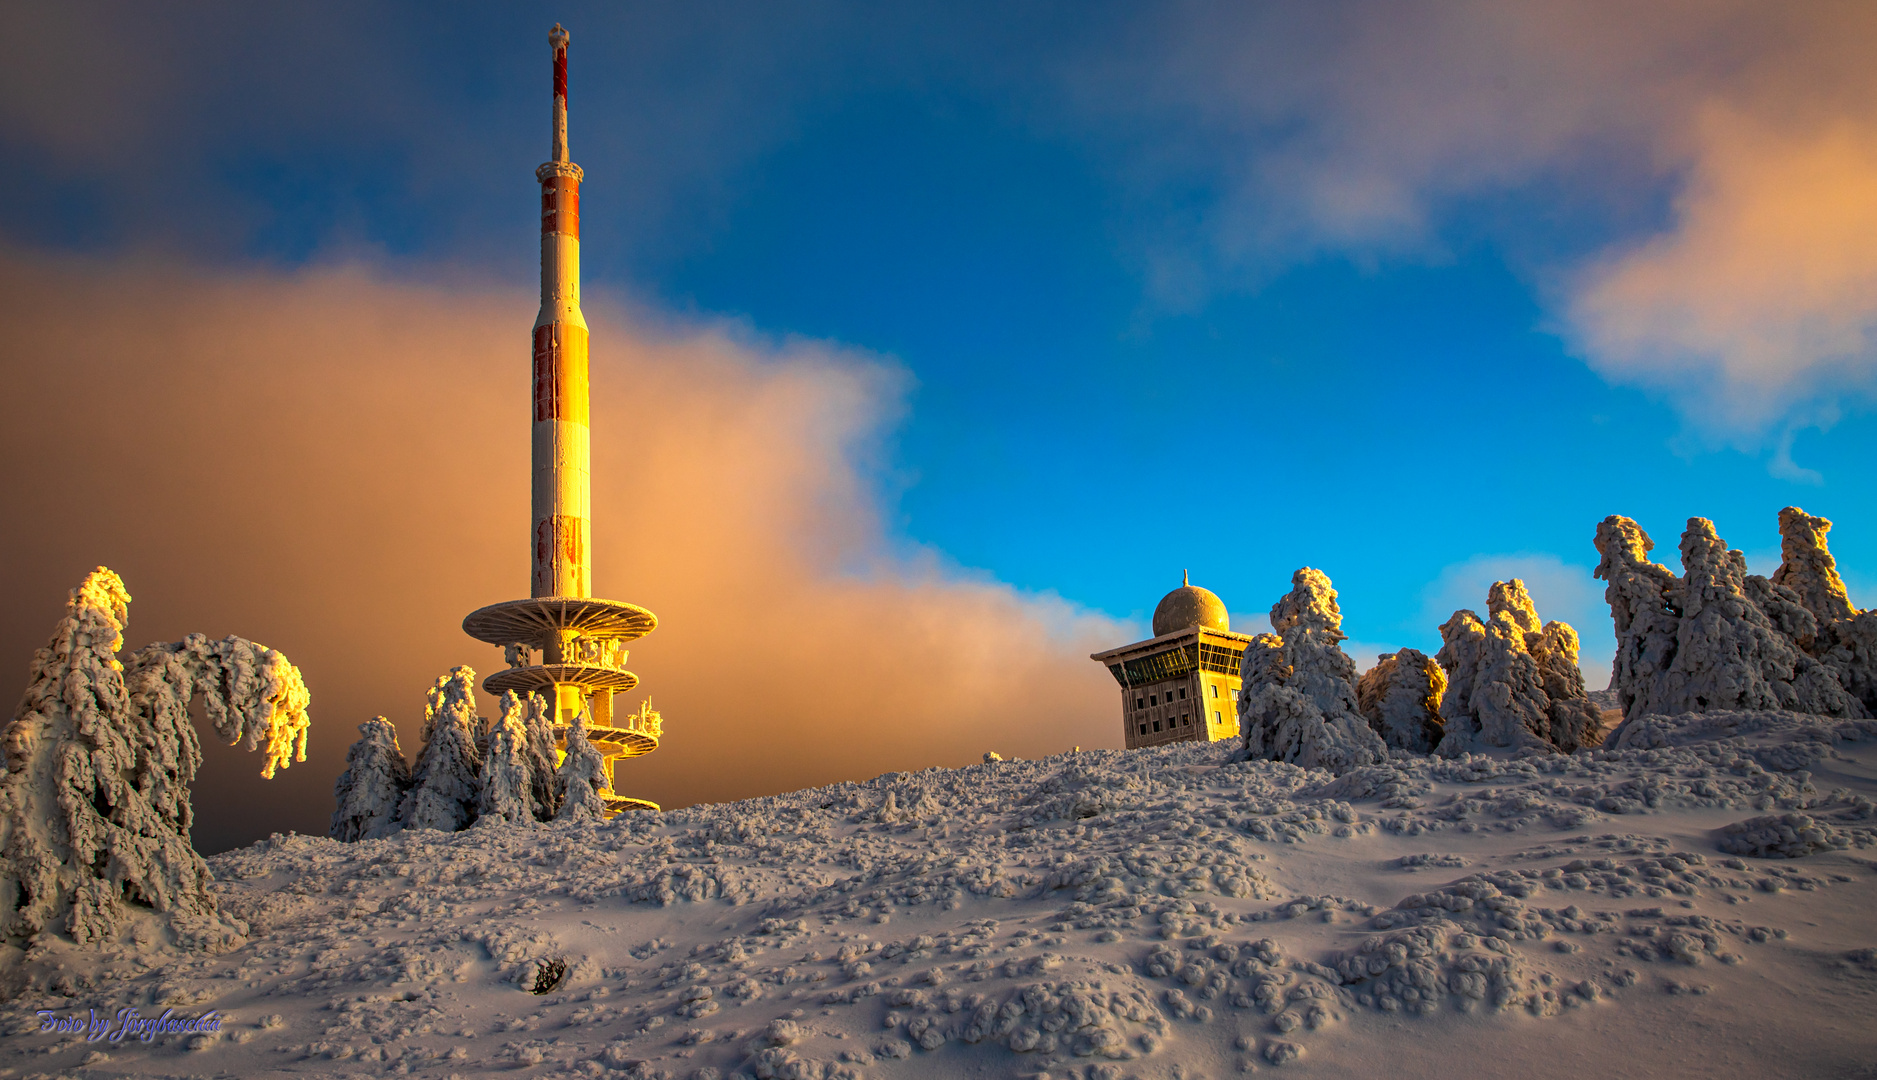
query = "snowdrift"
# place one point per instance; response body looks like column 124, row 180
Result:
column 1103, row 914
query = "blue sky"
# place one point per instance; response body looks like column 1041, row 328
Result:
column 1415, row 294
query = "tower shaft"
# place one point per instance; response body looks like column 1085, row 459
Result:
column 578, row 637
column 562, row 478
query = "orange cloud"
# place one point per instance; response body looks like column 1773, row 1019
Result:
column 1357, row 128
column 335, row 463
column 1764, row 292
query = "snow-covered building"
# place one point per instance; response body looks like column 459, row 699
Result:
column 1181, row 685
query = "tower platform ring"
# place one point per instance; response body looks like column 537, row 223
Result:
column 542, row 678
column 616, row 803
column 621, row 742
column 541, row 619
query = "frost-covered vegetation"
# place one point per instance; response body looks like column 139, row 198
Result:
column 1095, row 914
column 469, row 769
column 1715, row 638
column 94, row 791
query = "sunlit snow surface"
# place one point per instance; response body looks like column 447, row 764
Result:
column 1152, row 913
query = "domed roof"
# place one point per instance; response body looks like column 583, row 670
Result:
column 1189, row 606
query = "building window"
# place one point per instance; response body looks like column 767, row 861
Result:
column 1215, row 689
column 1216, row 718
column 1153, row 699
column 1143, row 729
column 1186, row 720
column 1175, row 662
column 1219, row 658
column 1182, row 693
column 1140, row 703
column 1156, row 725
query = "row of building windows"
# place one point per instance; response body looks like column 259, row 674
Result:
column 1219, row 658
column 1154, row 699
column 1170, row 664
column 1142, row 702
column 1185, row 721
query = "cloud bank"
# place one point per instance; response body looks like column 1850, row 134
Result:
column 1690, row 181
column 1762, row 298
column 1728, row 148
column 334, row 462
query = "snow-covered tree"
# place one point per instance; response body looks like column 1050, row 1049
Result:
column 507, row 780
column 1495, row 691
column 443, row 792
column 1400, row 698
column 543, row 759
column 582, row 777
column 1297, row 698
column 1718, row 638
column 373, row 784
column 94, row 795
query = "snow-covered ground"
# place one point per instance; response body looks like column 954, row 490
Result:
column 1153, row 913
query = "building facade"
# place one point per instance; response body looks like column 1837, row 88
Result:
column 1181, row 685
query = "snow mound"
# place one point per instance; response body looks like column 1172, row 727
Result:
column 1790, row 836
column 1097, row 914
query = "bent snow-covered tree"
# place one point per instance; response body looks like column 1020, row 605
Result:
column 94, row 799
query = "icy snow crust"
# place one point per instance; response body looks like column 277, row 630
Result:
column 1168, row 912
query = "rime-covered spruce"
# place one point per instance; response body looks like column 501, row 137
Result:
column 444, row 786
column 1717, row 638
column 1297, row 696
column 1400, row 698
column 375, row 779
column 507, row 780
column 94, row 799
column 581, row 780
column 1513, row 682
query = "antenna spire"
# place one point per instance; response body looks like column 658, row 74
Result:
column 557, row 38
column 1184, row 580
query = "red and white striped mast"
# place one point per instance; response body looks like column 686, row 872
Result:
column 578, row 636
column 563, row 477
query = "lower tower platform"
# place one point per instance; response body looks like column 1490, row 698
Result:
column 579, row 642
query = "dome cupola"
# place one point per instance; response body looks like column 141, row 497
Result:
column 1189, row 606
